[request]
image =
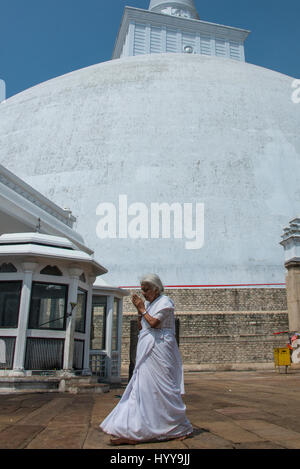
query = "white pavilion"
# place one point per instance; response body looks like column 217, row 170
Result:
column 56, row 315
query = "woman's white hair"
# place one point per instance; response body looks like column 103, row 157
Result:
column 154, row 281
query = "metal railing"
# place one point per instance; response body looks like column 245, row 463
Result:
column 98, row 363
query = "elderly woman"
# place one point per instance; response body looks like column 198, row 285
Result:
column 151, row 407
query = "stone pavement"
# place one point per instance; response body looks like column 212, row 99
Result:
column 228, row 410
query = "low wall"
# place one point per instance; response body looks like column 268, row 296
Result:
column 227, row 327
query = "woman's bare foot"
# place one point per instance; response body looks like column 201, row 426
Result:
column 122, row 441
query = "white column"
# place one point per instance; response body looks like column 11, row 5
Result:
column 20, row 349
column 131, row 30
column 164, row 39
column 198, row 44
column 148, row 39
column 120, row 321
column 75, row 273
column 109, row 326
column 86, row 360
column 179, row 41
column 227, row 47
column 242, row 52
column 213, row 46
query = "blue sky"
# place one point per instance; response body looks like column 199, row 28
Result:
column 42, row 39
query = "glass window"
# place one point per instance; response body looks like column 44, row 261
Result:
column 80, row 311
column 115, row 324
column 10, row 294
column 48, row 306
column 98, row 328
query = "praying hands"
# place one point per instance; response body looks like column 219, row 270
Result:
column 138, row 303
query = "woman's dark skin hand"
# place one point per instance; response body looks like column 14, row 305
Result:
column 150, row 295
column 138, row 303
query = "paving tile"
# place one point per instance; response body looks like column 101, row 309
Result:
column 289, row 418
column 44, row 414
column 207, row 440
column 60, row 437
column 285, row 418
column 236, row 410
column 3, row 426
column 240, row 413
column 268, row 431
column 100, row 411
column 236, row 401
column 8, row 409
column 14, row 416
column 97, row 420
column 161, row 445
column 256, row 415
column 18, row 436
column 206, row 416
column 35, row 400
column 96, row 439
column 291, row 423
column 230, row 431
column 259, row 445
column 198, row 420
column 73, row 414
column 289, row 444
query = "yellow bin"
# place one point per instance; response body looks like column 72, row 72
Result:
column 282, row 357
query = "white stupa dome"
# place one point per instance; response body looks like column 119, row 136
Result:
column 167, row 128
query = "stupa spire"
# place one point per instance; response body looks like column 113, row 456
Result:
column 184, row 8
column 173, row 26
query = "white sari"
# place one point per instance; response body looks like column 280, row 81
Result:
column 151, row 407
